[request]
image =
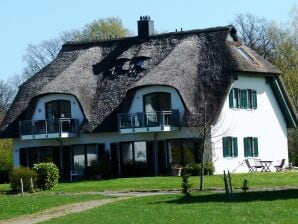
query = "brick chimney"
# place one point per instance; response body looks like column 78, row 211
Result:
column 145, row 26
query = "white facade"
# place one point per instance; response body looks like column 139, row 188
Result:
column 267, row 123
column 40, row 113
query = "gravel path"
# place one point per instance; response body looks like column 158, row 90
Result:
column 75, row 208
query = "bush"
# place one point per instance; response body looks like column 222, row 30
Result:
column 185, row 182
column 47, row 175
column 4, row 176
column 195, row 169
column 26, row 174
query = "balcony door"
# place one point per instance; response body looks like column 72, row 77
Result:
column 55, row 110
column 58, row 109
column 155, row 103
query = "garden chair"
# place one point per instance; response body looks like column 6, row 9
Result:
column 280, row 167
column 258, row 165
column 254, row 168
column 250, row 167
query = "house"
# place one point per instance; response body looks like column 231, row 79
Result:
column 131, row 98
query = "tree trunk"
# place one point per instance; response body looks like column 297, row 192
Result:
column 202, row 168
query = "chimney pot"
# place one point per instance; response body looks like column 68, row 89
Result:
column 145, row 26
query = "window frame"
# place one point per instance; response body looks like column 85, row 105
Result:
column 251, row 146
column 59, row 108
column 230, row 147
column 156, row 93
column 243, row 99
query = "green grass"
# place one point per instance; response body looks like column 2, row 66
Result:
column 13, row 205
column 285, row 179
column 16, row 205
column 4, row 187
column 251, row 207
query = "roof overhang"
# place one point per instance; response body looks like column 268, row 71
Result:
column 284, row 101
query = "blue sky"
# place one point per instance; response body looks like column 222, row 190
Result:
column 24, row 22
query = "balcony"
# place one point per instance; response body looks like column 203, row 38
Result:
column 46, row 129
column 149, row 122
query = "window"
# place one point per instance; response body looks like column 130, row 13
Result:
column 58, row 109
column 182, row 151
column 234, row 98
column 230, row 147
column 251, row 147
column 243, row 98
column 244, row 54
column 154, row 102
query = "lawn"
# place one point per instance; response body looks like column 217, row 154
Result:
column 251, row 207
column 170, row 205
column 256, row 180
column 16, row 205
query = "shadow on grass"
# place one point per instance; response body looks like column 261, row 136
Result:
column 238, row 197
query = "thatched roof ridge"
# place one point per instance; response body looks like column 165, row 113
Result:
column 199, row 64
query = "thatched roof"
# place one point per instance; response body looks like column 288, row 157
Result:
column 200, row 64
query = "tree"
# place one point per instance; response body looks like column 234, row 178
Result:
column 38, row 56
column 203, row 132
column 6, row 94
column 102, row 29
column 6, row 154
column 255, row 34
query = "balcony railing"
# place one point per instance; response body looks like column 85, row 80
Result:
column 149, row 119
column 47, row 128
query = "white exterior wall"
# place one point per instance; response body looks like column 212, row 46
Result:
column 266, row 123
column 40, row 113
column 138, row 105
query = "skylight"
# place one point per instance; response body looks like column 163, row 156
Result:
column 244, row 54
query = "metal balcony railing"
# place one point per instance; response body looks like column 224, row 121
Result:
column 149, row 119
column 51, row 126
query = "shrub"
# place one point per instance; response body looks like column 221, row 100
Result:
column 4, row 176
column 185, row 182
column 195, row 168
column 26, row 174
column 47, row 175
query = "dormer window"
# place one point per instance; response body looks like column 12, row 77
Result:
column 138, row 63
column 58, row 109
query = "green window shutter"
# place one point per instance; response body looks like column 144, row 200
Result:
column 226, row 148
column 246, row 147
column 249, row 98
column 235, row 147
column 255, row 147
column 231, row 98
column 238, row 98
column 254, row 99
column 243, row 103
